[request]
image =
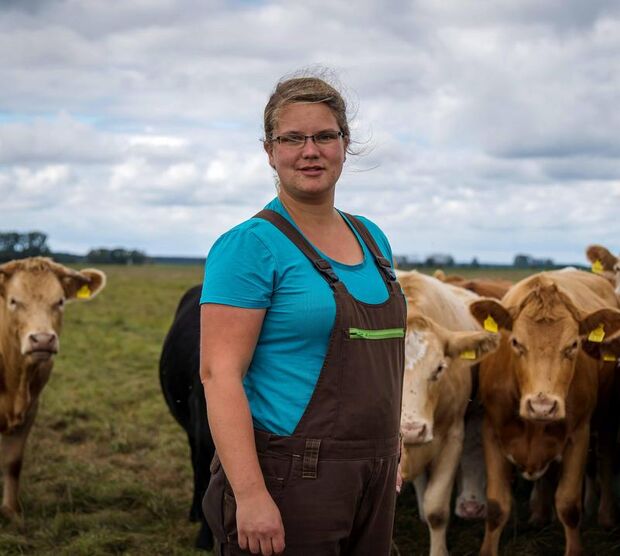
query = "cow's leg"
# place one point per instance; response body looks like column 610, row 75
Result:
column 419, row 484
column 498, row 491
column 202, row 448
column 439, row 490
column 11, row 457
column 568, row 493
column 607, row 424
column 606, row 509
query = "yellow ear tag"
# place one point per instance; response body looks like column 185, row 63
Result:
column 468, row 354
column 597, row 267
column 490, row 325
column 597, row 334
column 84, row 292
column 609, row 357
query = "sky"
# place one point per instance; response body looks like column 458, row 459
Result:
column 487, row 129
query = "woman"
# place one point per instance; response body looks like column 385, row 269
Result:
column 302, row 327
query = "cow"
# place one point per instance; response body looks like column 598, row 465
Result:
column 539, row 389
column 471, row 498
column 605, row 264
column 179, row 375
column 471, row 478
column 33, row 295
column 484, row 287
column 442, row 343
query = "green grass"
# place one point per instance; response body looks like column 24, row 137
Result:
column 107, row 469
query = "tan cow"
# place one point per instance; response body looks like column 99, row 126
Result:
column 485, row 287
column 605, row 264
column 443, row 341
column 33, row 293
column 539, row 389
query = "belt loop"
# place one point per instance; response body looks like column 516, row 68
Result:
column 311, row 458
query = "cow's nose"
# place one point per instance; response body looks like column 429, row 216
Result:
column 43, row 341
column 542, row 407
column 471, row 509
column 416, row 432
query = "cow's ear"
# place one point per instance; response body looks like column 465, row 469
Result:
column 491, row 314
column 607, row 351
column 600, row 324
column 472, row 346
column 83, row 285
column 600, row 254
column 6, row 271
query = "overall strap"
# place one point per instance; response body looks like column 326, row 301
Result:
column 301, row 243
column 383, row 264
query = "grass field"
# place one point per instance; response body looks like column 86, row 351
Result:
column 107, row 469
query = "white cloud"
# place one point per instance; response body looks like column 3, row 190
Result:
column 489, row 127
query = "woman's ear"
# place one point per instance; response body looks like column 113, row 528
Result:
column 268, row 146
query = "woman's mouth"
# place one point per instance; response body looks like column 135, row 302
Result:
column 311, row 170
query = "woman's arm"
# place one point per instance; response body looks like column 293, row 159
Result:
column 228, row 337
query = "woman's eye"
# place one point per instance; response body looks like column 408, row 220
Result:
column 291, row 139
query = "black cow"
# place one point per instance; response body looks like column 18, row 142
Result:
column 180, row 382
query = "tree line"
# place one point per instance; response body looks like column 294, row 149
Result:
column 15, row 245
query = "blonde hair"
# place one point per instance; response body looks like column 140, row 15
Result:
column 308, row 89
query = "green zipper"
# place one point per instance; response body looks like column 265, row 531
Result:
column 361, row 334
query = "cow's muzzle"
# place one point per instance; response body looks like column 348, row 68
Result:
column 41, row 345
column 542, row 407
column 416, row 432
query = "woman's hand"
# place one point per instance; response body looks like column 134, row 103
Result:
column 259, row 524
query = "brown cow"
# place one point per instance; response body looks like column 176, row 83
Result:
column 484, row 287
column 539, row 389
column 33, row 293
column 605, row 264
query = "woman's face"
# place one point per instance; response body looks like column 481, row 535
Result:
column 308, row 172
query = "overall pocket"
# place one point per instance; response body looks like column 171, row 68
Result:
column 213, row 503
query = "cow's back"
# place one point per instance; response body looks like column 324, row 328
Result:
column 444, row 303
column 588, row 291
column 180, row 356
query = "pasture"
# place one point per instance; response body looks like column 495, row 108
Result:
column 107, row 469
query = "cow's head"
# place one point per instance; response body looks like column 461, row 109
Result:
column 33, row 293
column 605, row 264
column 431, row 354
column 545, row 332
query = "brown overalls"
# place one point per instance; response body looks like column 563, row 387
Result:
column 334, row 479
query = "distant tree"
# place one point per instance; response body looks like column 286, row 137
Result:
column 117, row 255
column 522, row 261
column 14, row 245
column 475, row 263
column 439, row 259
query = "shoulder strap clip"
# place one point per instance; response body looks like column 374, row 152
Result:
column 387, row 267
column 325, row 268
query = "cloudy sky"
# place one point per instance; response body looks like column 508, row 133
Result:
column 489, row 128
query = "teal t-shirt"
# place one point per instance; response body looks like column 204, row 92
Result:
column 254, row 265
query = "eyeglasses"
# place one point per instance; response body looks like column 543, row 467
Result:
column 297, row 140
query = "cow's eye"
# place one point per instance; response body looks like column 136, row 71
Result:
column 437, row 372
column 13, row 303
column 517, row 346
column 571, row 350
column 60, row 303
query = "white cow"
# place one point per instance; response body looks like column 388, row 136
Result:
column 443, row 341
